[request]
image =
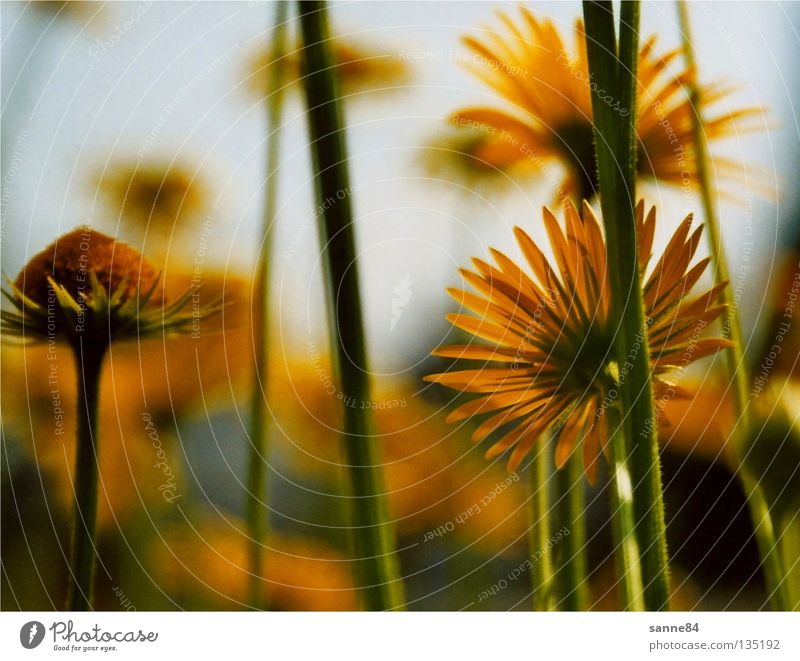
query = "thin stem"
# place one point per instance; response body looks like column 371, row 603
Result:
column 735, row 363
column 88, row 360
column 624, row 518
column 256, row 517
column 376, row 564
column 539, row 537
column 790, row 543
column 768, row 547
column 571, row 576
column 615, row 140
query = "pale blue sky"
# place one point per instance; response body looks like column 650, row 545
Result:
column 77, row 97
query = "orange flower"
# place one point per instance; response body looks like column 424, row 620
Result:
column 70, row 259
column 549, row 119
column 208, row 561
column 553, row 334
column 88, row 285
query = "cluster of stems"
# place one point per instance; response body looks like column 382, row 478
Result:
column 636, row 471
column 559, row 577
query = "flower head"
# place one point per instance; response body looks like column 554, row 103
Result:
column 155, row 197
column 551, row 332
column 549, row 117
column 88, row 285
column 360, row 67
column 474, row 158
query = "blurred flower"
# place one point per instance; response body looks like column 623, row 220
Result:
column 360, row 66
column 77, row 10
column 554, row 334
column 699, row 425
column 90, row 291
column 550, row 118
column 209, row 562
column 162, row 377
column 475, row 159
column 430, row 480
column 87, row 285
column 156, row 199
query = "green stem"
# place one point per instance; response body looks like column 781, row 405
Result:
column 790, row 544
column 614, row 71
column 571, row 575
column 768, row 546
column 539, row 543
column 255, row 516
column 624, row 518
column 376, row 564
column 89, row 361
column 735, row 363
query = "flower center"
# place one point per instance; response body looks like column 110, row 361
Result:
column 588, row 365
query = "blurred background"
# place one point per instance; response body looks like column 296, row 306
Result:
column 148, row 122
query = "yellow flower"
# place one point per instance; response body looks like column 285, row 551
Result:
column 548, row 89
column 474, row 159
column 553, row 334
column 154, row 197
column 360, row 67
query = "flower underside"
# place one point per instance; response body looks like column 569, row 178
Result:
column 549, row 113
column 547, row 358
column 89, row 287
